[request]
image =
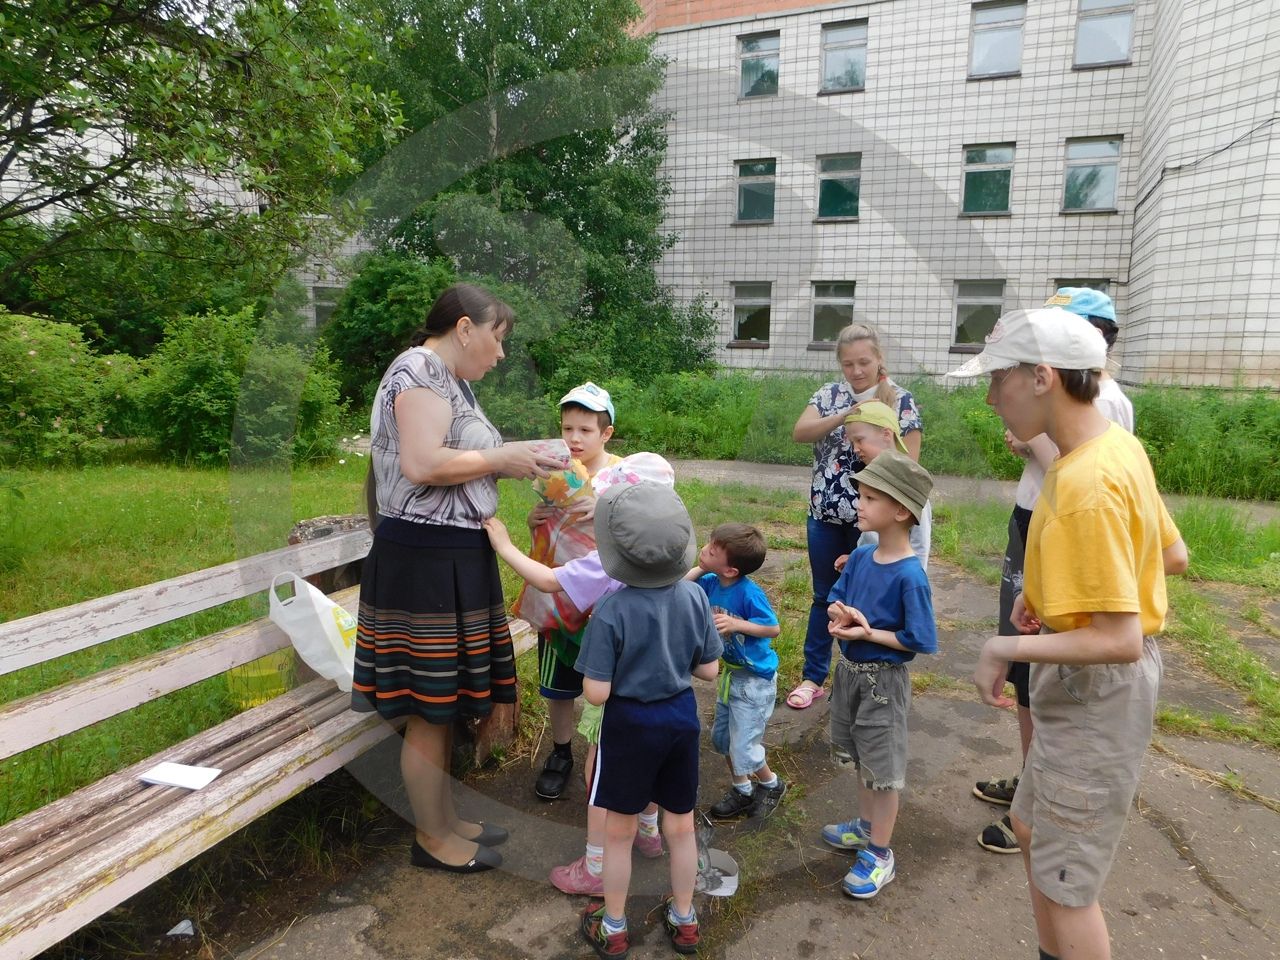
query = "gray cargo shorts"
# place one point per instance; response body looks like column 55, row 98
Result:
column 869, row 705
column 1093, row 724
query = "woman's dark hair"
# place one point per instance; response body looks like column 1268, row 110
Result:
column 463, row 300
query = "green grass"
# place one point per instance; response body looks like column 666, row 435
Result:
column 973, row 536
column 1225, row 547
column 1197, row 627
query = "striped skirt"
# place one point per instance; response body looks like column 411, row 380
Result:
column 432, row 638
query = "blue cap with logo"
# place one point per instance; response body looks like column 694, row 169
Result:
column 1084, row 302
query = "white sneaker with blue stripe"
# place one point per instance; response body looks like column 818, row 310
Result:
column 868, row 875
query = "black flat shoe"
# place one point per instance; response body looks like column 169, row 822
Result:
column 491, row 835
column 555, row 775
column 485, row 859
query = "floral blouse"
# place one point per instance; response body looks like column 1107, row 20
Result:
column 833, row 495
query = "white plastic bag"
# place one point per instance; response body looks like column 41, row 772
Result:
column 322, row 632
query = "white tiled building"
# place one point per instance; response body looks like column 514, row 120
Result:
column 925, row 164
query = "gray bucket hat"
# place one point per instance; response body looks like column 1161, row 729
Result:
column 901, row 478
column 644, row 534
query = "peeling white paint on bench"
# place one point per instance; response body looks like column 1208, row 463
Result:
column 56, row 633
column 54, row 713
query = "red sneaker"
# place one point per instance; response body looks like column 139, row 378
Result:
column 684, row 936
column 605, row 945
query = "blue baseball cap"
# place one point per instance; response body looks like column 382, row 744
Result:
column 1085, row 303
column 592, row 397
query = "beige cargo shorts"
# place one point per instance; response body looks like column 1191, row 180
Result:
column 1092, row 727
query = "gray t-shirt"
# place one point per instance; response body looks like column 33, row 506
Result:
column 460, row 505
column 646, row 642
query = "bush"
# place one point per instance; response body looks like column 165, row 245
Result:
column 215, row 391
column 384, row 304
column 51, row 391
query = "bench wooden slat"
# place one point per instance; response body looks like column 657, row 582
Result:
column 44, row 636
column 54, row 713
column 151, row 800
column 42, row 911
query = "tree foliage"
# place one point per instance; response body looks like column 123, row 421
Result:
column 161, row 123
column 535, row 161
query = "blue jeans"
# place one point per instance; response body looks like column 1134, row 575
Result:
column 738, row 729
column 826, row 542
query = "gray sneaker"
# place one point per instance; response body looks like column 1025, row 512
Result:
column 765, row 800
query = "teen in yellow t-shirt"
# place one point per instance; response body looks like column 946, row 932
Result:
column 1099, row 546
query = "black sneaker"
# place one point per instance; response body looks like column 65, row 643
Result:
column 766, row 799
column 734, row 803
column 554, row 776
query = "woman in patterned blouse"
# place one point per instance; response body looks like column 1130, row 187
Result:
column 833, row 495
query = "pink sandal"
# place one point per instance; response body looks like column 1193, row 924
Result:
column 802, row 697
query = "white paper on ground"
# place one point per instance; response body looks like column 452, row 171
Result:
column 170, row 774
column 185, row 929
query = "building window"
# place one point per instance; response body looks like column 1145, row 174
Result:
column 988, row 173
column 979, row 304
column 759, row 57
column 1093, row 169
column 325, row 302
column 1102, row 286
column 1104, row 32
column 755, row 190
column 832, row 310
column 838, row 186
column 751, row 312
column 844, row 56
column 995, row 41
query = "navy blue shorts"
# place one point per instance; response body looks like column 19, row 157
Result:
column 647, row 751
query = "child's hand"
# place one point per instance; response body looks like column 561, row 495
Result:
column 840, row 562
column 991, row 673
column 499, row 538
column 854, row 632
column 1023, row 617
column 540, row 514
column 838, row 613
column 725, row 624
column 583, row 510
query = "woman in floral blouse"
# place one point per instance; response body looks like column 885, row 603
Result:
column 833, row 495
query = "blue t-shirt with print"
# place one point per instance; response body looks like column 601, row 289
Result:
column 833, row 495
column 892, row 596
column 744, row 599
column 647, row 641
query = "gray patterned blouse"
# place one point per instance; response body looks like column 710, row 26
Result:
column 459, row 505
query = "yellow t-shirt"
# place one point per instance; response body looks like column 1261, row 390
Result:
column 1097, row 536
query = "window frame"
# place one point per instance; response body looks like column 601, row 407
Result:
column 770, row 178
column 816, row 300
column 826, row 47
column 745, row 55
column 986, row 167
column 747, row 300
column 1068, row 163
column 976, row 28
column 1113, row 8
column 327, row 304
column 855, row 175
column 960, row 299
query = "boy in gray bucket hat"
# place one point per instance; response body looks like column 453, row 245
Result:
column 882, row 615
column 640, row 649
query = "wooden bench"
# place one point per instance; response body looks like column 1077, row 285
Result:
column 69, row 862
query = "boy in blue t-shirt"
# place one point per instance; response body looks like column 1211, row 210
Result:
column 748, row 667
column 882, row 613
